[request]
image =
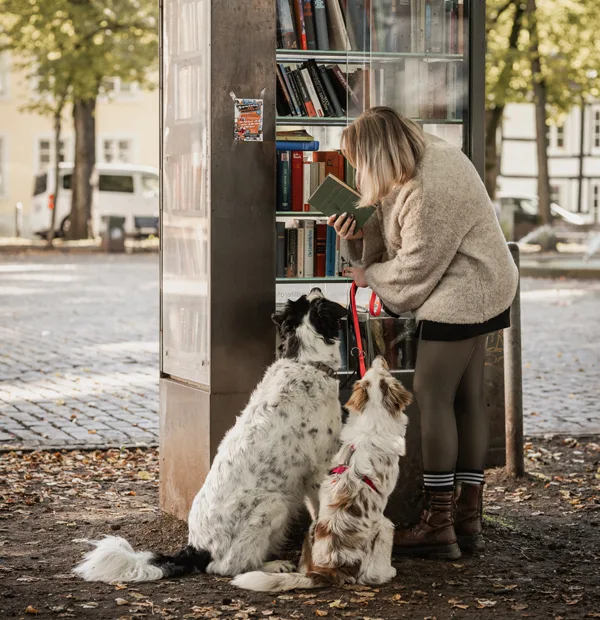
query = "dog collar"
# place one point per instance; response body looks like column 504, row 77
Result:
column 340, row 469
column 328, row 370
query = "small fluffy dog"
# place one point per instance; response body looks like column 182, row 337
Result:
column 274, row 458
column 351, row 541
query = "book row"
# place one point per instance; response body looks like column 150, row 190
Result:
column 392, row 26
column 308, row 249
column 299, row 173
column 416, row 89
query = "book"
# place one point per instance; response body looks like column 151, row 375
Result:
column 401, row 30
column 334, row 163
column 286, row 35
column 281, row 82
column 291, row 235
column 297, row 97
column 334, row 197
column 280, row 245
column 291, row 145
column 331, row 94
column 358, row 16
column 338, row 35
column 330, row 252
column 300, row 135
column 460, row 13
column 315, row 76
column 348, row 92
column 305, row 75
column 290, row 88
column 282, row 105
column 306, row 98
column 306, row 193
column 301, row 231
column 320, row 249
column 297, row 181
column 321, row 25
column 300, row 24
column 283, row 181
column 349, row 175
column 309, row 22
column 309, row 248
column 437, row 15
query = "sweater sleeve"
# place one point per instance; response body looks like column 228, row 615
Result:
column 429, row 245
column 368, row 250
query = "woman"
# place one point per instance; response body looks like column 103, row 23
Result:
column 434, row 247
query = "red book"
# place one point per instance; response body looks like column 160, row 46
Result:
column 297, row 181
column 300, row 23
column 334, row 162
column 321, row 247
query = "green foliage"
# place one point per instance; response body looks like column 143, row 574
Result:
column 72, row 45
column 569, row 53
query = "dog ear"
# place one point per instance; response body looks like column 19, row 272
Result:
column 394, row 396
column 336, row 310
column 278, row 318
column 360, row 397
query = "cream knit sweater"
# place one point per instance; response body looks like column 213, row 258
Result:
column 434, row 245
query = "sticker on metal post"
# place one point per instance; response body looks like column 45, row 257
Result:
column 248, row 120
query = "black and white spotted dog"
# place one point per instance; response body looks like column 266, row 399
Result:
column 267, row 466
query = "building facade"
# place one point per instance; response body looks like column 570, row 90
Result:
column 574, row 157
column 127, row 127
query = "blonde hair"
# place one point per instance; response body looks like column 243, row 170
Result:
column 385, row 149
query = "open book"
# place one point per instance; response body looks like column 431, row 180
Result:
column 334, row 197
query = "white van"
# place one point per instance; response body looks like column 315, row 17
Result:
column 120, row 189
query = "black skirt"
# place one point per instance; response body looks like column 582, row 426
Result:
column 447, row 332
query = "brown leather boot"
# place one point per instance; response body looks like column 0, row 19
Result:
column 433, row 537
column 468, row 520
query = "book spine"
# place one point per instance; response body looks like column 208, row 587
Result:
column 344, row 82
column 314, row 177
column 286, row 90
column 309, row 248
column 349, row 174
column 292, row 252
column 297, row 181
column 308, row 104
column 330, row 252
column 338, row 39
column 321, row 25
column 300, row 24
column 306, row 185
column 331, row 95
column 338, row 256
column 309, row 21
column 296, row 145
column 451, row 86
column 285, row 73
column 284, row 177
column 321, row 250
column 438, row 14
column 281, row 255
column 315, row 76
column 286, row 34
column 301, row 232
column 428, row 26
column 422, row 15
column 461, row 27
column 312, row 93
column 282, row 94
column 357, row 14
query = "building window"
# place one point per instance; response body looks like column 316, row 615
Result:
column 2, row 169
column 116, row 151
column 596, row 201
column 597, row 129
column 560, row 136
column 556, row 136
column 46, row 153
column 116, row 88
column 555, row 194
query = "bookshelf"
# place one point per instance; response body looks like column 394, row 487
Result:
column 219, row 195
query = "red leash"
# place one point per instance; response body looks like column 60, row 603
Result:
column 375, row 310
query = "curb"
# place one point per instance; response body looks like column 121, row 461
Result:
column 6, row 448
column 575, row 272
column 20, row 249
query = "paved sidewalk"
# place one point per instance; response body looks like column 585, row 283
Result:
column 78, row 350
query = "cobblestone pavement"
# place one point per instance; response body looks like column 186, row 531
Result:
column 561, row 356
column 79, row 352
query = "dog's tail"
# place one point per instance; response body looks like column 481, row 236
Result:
column 113, row 559
column 276, row 582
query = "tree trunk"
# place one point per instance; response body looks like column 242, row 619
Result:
column 493, row 118
column 84, row 119
column 57, row 132
column 541, row 127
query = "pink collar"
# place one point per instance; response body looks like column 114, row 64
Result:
column 340, row 469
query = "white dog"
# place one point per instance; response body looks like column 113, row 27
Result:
column 351, row 541
column 273, row 459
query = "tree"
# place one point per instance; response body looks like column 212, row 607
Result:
column 89, row 41
column 557, row 61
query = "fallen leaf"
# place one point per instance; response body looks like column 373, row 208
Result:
column 307, row 596
column 137, row 595
column 338, row 604
column 267, row 612
column 144, row 475
column 519, row 606
column 321, row 613
column 419, row 593
column 285, row 597
column 482, row 603
column 456, row 604
column 121, row 601
column 31, row 610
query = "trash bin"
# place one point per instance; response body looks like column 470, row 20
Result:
column 113, row 233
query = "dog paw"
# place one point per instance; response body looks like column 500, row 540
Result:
column 279, row 566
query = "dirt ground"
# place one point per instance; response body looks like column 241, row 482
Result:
column 542, row 558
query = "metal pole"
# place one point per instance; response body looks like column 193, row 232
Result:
column 513, row 383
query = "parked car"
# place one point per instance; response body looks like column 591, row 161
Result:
column 120, row 189
column 526, row 212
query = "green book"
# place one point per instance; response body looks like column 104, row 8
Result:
column 334, row 197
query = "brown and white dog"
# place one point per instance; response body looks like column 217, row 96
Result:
column 350, row 541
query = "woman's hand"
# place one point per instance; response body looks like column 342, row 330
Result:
column 345, row 226
column 358, row 275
